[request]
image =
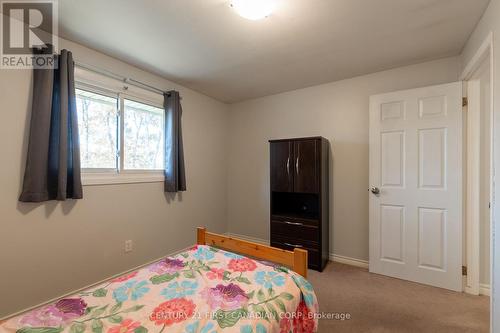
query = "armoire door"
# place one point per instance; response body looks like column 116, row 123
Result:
column 281, row 166
column 305, row 166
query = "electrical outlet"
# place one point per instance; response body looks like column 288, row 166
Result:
column 128, row 245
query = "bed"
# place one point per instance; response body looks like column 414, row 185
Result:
column 208, row 288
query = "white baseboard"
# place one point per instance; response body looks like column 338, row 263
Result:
column 92, row 285
column 484, row 289
column 333, row 257
column 349, row 261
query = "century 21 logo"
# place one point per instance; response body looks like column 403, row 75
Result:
column 27, row 25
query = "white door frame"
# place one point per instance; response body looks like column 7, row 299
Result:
column 472, row 226
column 472, row 187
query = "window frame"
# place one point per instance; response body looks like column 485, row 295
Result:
column 99, row 84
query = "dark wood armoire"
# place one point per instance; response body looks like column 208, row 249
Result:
column 300, row 197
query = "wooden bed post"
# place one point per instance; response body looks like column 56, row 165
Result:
column 200, row 236
column 300, row 261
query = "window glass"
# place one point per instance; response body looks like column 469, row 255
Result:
column 143, row 136
column 98, row 128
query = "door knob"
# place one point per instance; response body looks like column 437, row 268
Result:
column 375, row 190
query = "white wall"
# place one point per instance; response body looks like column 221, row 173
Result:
column 490, row 22
column 49, row 249
column 337, row 111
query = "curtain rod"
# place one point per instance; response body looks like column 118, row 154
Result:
column 124, row 79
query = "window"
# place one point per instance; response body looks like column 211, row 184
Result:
column 121, row 136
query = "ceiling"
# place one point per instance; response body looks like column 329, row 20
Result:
column 206, row 46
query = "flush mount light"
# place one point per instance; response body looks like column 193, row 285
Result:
column 253, row 9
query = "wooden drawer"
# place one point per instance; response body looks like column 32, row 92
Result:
column 301, row 220
column 295, row 230
column 312, row 251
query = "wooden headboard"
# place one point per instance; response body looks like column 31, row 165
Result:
column 296, row 260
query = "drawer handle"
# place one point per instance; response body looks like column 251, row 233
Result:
column 293, row 245
column 293, row 223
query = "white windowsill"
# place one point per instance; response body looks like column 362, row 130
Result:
column 108, row 178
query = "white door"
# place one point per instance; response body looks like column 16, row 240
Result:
column 416, row 166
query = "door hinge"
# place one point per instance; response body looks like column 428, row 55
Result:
column 464, row 270
column 465, row 101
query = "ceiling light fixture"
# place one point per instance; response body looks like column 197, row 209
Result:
column 253, row 9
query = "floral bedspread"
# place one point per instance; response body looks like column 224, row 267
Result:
column 203, row 290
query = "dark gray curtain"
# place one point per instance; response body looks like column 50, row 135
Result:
column 175, row 173
column 53, row 161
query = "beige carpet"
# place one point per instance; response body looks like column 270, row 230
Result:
column 382, row 304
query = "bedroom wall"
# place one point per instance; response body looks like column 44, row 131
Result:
column 49, row 249
column 490, row 23
column 337, row 111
